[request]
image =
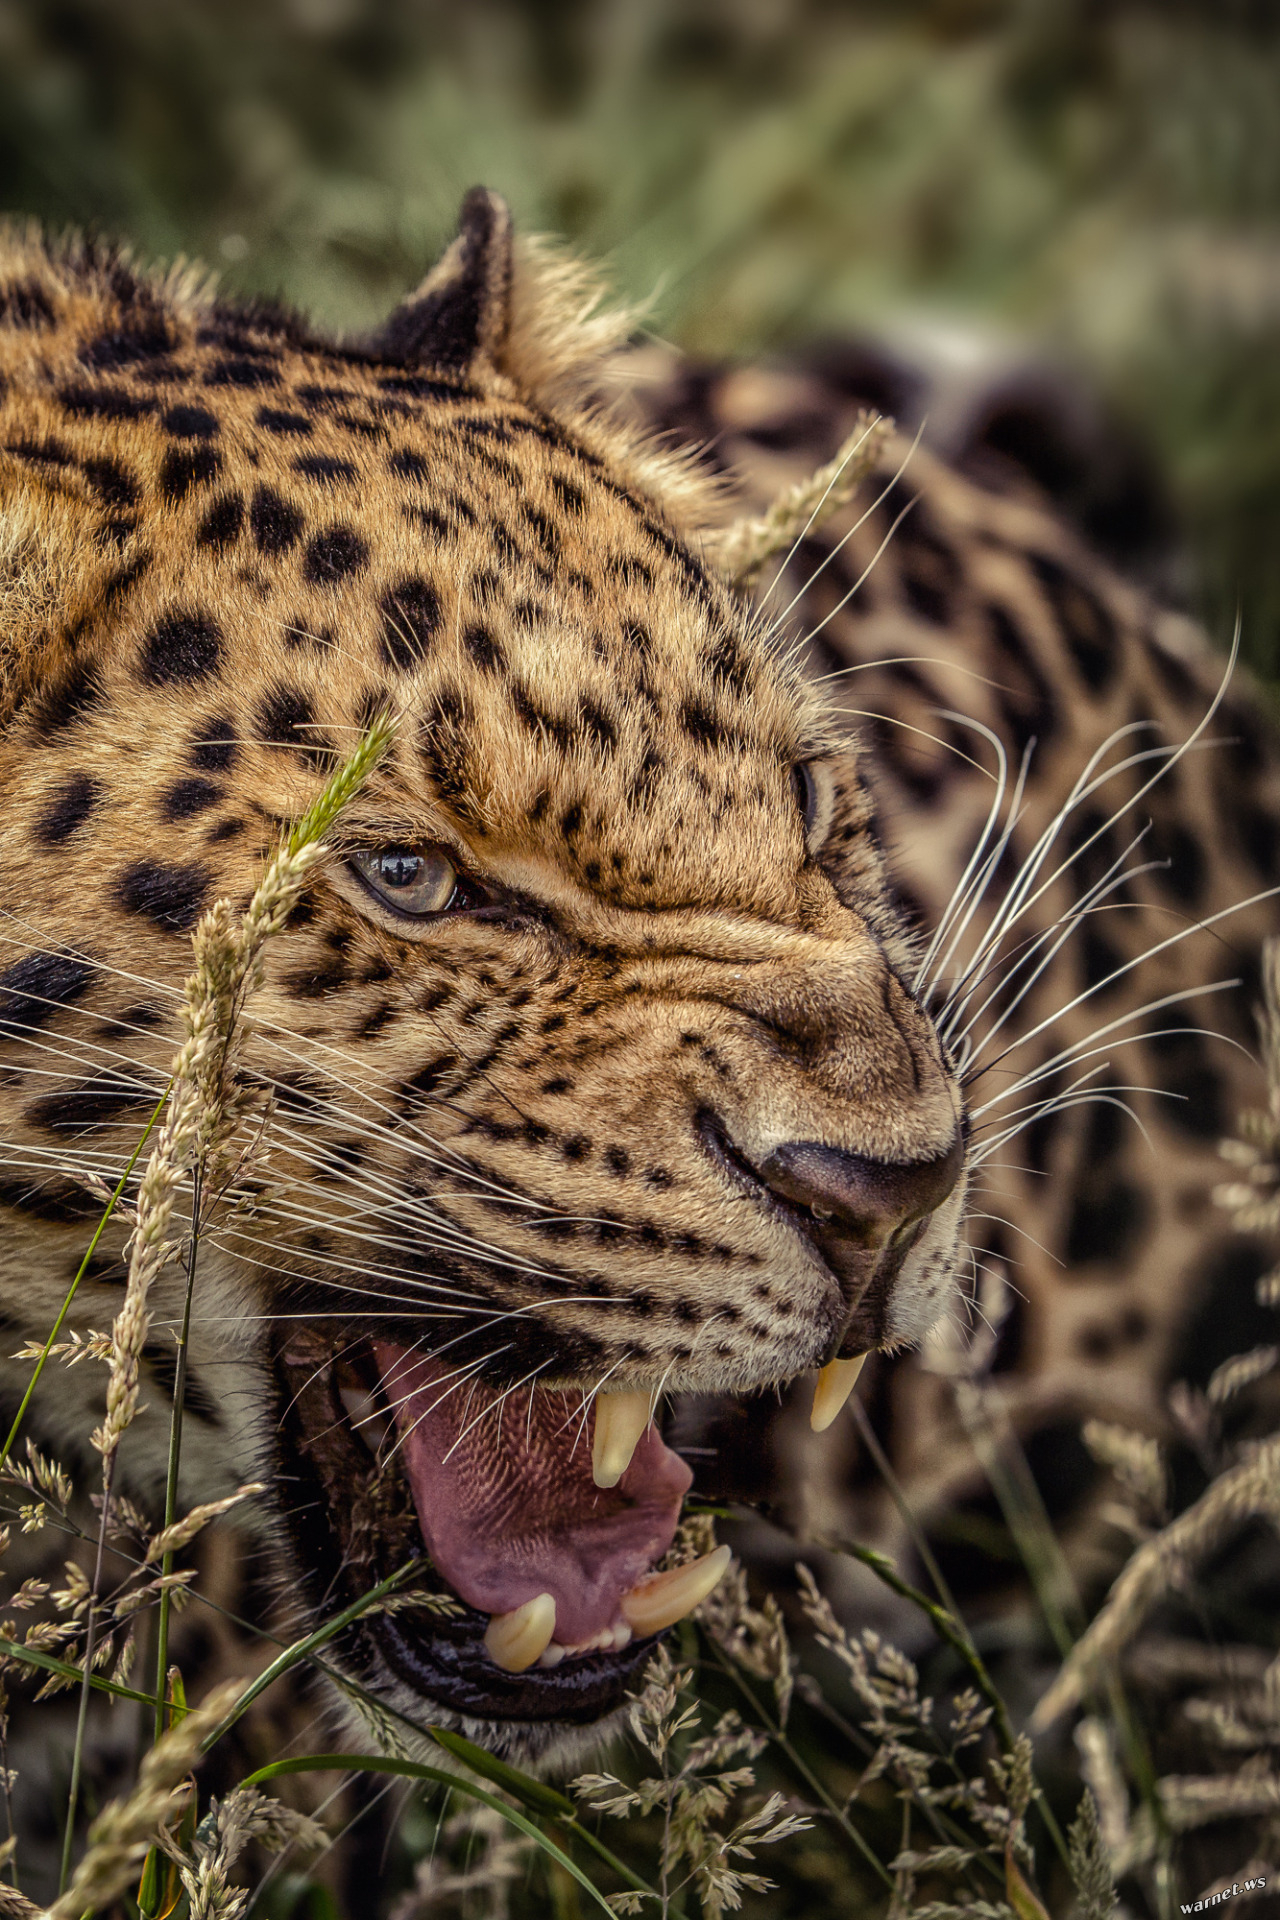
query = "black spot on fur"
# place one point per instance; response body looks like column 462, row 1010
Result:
column 726, row 662
column 78, row 694
column 539, row 721
column 125, row 577
column 700, row 723
column 379, row 1018
column 49, row 452
column 275, row 524
column 444, row 744
column 1108, row 1219
column 324, row 467
column 422, row 387
column 421, row 1085
column 410, row 466
column 484, row 647
column 411, row 614
column 93, row 1104
column 334, row 555
column 114, row 483
column 46, row 1200
column 185, row 645
column 285, row 716
column 1087, row 627
column 222, row 524
column 187, row 797
column 314, row 981
column 241, row 373
column 32, row 989
column 25, row 304
column 170, row 896
column 215, row 748
column 277, row 420
column 596, row 722
column 69, row 809
column 104, row 403
column 190, row 423
column 147, row 336
column 569, row 493
column 228, row 829
column 188, row 467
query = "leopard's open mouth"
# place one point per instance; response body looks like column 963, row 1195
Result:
column 388, row 1458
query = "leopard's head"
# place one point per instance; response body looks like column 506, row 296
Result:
column 596, row 1073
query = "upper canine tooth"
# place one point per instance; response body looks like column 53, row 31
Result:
column 667, row 1597
column 621, row 1419
column 516, row 1639
column 835, row 1384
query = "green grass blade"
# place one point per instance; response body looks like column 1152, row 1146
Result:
column 535, row 1794
column 301, row 1649
column 32, row 1657
column 346, row 782
column 438, row 1776
column 81, row 1270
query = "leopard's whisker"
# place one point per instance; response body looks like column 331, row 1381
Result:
column 812, row 633
column 495, row 1406
column 973, row 866
column 1023, row 895
column 761, row 601
column 780, row 619
column 1100, row 1034
column 1044, row 950
column 1063, row 1103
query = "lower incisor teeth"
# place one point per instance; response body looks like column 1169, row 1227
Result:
column 621, row 1419
column 835, row 1383
column 516, row 1639
column 667, row 1597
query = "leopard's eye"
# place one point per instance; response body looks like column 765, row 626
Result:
column 414, row 884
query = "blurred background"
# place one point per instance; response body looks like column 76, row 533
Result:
column 1096, row 179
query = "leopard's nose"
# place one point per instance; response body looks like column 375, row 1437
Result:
column 865, row 1200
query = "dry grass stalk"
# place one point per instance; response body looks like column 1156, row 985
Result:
column 1250, row 1490
column 205, row 1106
column 124, row 1831
column 183, row 1531
column 738, row 552
column 221, row 1838
column 694, row 1788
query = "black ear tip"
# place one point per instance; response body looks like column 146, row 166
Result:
column 483, row 212
column 459, row 314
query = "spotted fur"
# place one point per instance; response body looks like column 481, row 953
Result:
column 521, row 1131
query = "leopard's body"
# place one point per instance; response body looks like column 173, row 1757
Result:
column 984, row 607
column 697, row 911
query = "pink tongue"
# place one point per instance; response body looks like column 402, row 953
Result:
column 506, row 1501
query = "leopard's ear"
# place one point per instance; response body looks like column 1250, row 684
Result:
column 461, row 312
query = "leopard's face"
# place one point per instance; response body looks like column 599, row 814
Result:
column 595, row 1069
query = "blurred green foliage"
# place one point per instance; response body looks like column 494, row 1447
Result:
column 1101, row 176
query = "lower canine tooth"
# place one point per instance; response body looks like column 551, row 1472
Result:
column 621, row 1419
column 660, row 1602
column 835, row 1384
column 516, row 1639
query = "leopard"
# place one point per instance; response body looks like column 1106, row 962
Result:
column 716, row 987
